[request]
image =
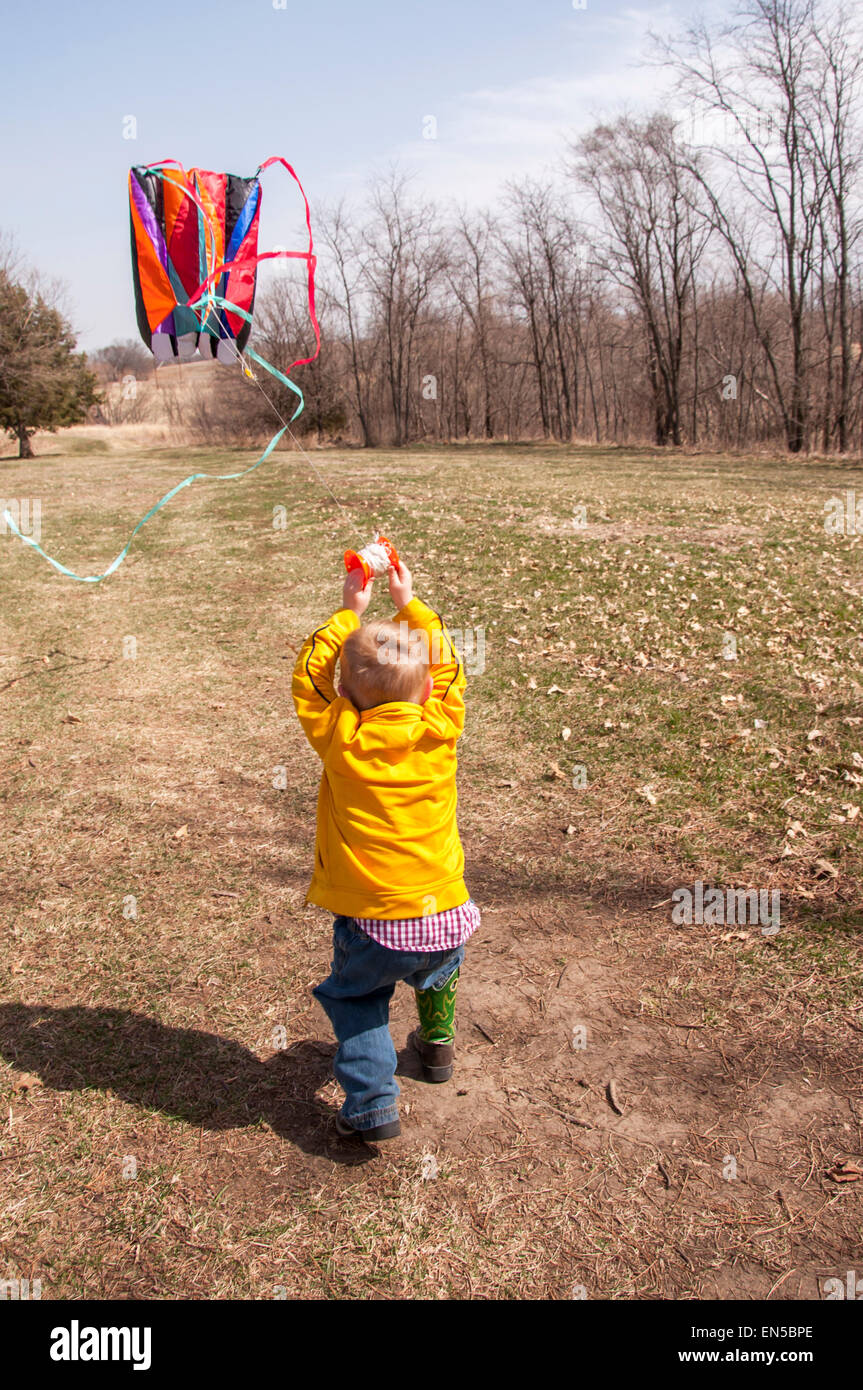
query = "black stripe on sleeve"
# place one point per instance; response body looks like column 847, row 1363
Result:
column 315, row 635
column 454, row 653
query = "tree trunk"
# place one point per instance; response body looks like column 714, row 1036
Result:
column 25, row 448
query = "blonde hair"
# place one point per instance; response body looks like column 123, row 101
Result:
column 382, row 662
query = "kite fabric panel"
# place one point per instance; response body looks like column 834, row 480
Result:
column 185, row 224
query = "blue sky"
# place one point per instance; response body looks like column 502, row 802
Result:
column 339, row 89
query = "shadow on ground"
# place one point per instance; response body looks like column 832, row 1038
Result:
column 206, row 1080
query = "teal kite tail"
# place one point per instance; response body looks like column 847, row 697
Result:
column 115, row 564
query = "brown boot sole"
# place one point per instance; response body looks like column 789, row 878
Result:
column 435, row 1058
column 391, row 1130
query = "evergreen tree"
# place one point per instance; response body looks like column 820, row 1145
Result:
column 44, row 382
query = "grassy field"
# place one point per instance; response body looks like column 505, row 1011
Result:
column 681, row 629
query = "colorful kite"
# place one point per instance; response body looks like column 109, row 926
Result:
column 184, row 224
column 194, row 261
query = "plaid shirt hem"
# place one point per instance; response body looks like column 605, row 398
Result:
column 441, row 931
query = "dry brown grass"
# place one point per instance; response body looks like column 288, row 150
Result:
column 153, row 1037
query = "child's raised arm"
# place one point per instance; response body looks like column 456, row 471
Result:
column 445, row 665
column 313, row 688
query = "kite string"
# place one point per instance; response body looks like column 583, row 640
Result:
column 279, row 416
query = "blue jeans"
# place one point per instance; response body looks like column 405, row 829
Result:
column 356, row 997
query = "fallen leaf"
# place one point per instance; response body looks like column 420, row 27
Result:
column 26, row 1081
column 181, row 833
column 71, row 719
column 846, row 1171
column 825, row 869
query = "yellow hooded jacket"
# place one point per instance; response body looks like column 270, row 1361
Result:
column 387, row 841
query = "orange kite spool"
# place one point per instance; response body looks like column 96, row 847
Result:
column 373, row 560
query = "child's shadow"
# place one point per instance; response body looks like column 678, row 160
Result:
column 209, row 1081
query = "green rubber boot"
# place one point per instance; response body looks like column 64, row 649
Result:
column 434, row 1040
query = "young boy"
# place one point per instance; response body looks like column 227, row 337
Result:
column 388, row 860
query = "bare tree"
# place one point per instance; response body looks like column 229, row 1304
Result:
column 831, row 116
column 284, row 333
column 470, row 271
column 345, row 291
column 651, row 241
column 124, row 357
column 538, row 244
column 404, row 262
column 764, row 186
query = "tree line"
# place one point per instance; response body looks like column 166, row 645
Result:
column 691, row 277
column 685, row 277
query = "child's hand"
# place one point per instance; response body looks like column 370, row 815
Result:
column 401, row 585
column 354, row 596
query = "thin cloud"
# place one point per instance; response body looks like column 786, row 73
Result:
column 495, row 134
